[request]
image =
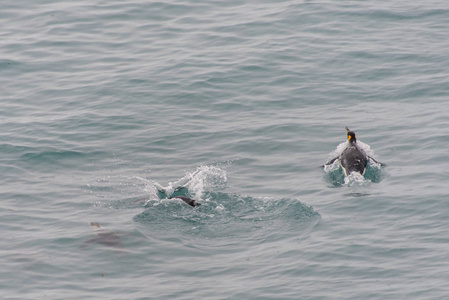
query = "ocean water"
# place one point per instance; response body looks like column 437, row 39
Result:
column 108, row 108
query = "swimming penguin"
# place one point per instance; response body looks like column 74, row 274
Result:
column 187, row 200
column 353, row 158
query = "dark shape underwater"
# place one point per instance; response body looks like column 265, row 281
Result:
column 104, row 238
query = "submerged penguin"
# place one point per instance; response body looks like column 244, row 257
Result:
column 104, row 238
column 187, row 200
column 163, row 194
column 353, row 158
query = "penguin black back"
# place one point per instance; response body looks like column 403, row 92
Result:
column 353, row 158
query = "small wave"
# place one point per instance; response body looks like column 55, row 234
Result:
column 7, row 63
column 228, row 215
column 57, row 158
column 51, row 155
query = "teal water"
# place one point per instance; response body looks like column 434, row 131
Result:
column 108, row 107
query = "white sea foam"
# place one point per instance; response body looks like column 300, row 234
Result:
column 355, row 178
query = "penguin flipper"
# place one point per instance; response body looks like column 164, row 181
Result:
column 331, row 161
column 377, row 162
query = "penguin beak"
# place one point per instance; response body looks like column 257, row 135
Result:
column 347, row 129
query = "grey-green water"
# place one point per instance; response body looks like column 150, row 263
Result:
column 106, row 103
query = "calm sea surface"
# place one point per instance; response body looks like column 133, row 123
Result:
column 108, row 108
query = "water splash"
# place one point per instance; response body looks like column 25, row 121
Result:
column 355, row 178
column 203, row 179
column 193, row 185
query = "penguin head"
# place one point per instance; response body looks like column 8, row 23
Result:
column 351, row 135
